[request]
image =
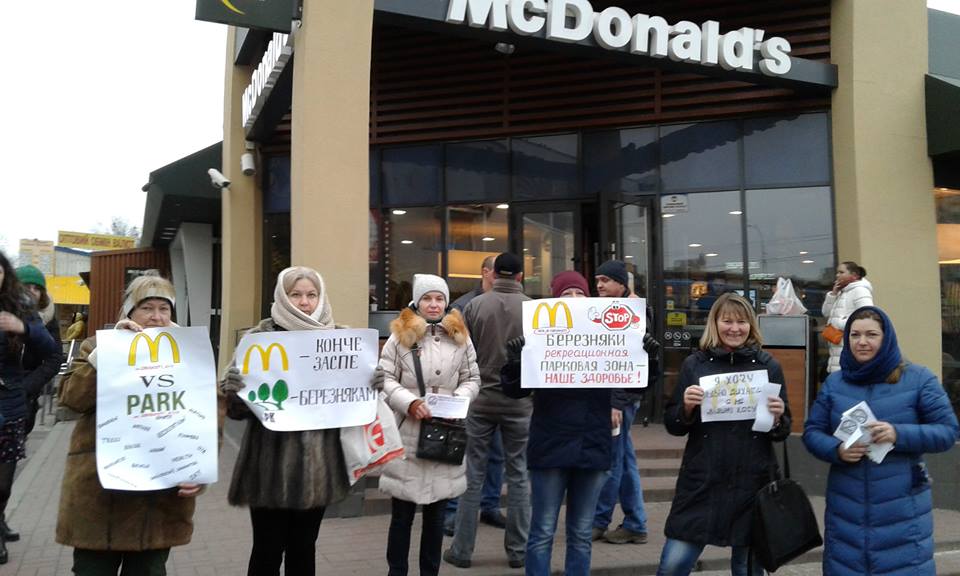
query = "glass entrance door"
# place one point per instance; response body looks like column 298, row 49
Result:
column 548, row 243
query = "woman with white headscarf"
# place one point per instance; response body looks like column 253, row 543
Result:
column 287, row 479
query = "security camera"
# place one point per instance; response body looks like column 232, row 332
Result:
column 217, row 179
column 247, row 165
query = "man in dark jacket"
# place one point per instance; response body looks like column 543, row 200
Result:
column 624, row 481
column 493, row 481
column 493, row 318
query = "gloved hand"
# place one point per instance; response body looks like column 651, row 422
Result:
column 514, row 348
column 232, row 382
column 650, row 344
column 377, row 381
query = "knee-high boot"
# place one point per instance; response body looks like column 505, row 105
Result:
column 7, row 471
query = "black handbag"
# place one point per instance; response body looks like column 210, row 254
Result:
column 440, row 440
column 783, row 525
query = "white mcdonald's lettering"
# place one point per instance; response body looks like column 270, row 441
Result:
column 615, row 29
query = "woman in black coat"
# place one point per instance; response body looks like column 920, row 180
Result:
column 21, row 333
column 725, row 463
column 39, row 368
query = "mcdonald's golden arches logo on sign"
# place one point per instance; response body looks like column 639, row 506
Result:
column 551, row 310
column 153, row 346
column 265, row 357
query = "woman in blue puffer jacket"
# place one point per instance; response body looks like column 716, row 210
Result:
column 879, row 517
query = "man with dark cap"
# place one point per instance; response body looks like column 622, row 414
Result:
column 494, row 318
column 623, row 484
column 493, row 481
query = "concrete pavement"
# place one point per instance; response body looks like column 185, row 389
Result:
column 346, row 546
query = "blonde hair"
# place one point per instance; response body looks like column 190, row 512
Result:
column 737, row 306
column 296, row 273
column 150, row 285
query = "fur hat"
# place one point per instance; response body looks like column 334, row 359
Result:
column 423, row 283
column 568, row 279
column 615, row 270
column 31, row 275
column 150, row 285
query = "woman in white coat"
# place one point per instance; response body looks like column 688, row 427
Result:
column 449, row 367
column 851, row 290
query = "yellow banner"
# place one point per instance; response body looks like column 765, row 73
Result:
column 68, row 290
column 94, row 241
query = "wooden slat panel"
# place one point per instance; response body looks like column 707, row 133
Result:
column 428, row 86
column 107, row 277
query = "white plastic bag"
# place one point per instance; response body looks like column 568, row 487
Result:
column 785, row 301
column 373, row 445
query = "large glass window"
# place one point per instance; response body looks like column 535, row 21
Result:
column 788, row 236
column 477, row 171
column 786, row 151
column 948, row 241
column 412, row 175
column 548, row 248
column 545, row 167
column 621, row 162
column 474, row 232
column 412, row 238
column 700, row 156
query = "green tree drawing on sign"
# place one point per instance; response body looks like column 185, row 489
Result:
column 280, row 393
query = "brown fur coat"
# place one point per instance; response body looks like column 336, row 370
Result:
column 93, row 518
column 290, row 470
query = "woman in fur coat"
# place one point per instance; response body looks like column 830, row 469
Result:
column 449, row 367
column 287, row 478
column 115, row 531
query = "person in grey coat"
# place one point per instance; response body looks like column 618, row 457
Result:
column 493, row 318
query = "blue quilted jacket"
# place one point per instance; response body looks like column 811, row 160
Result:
column 879, row 516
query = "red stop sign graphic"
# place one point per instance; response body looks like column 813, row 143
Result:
column 618, row 317
column 375, row 439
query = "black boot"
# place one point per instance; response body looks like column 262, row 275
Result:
column 7, row 533
column 4, row 557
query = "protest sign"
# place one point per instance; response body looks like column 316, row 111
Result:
column 584, row 343
column 156, row 408
column 309, row 379
column 732, row 396
column 443, row 406
column 854, row 428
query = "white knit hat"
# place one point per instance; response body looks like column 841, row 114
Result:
column 423, row 283
column 150, row 285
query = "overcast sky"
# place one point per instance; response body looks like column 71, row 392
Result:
column 96, row 95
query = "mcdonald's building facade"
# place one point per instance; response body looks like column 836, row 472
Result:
column 712, row 146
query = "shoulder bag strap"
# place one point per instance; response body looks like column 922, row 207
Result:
column 415, row 350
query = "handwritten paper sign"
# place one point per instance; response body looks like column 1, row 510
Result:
column 732, row 396
column 156, row 408
column 309, row 379
column 584, row 343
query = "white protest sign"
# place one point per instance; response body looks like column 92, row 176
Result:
column 854, row 429
column 156, row 408
column 309, row 379
column 732, row 396
column 584, row 343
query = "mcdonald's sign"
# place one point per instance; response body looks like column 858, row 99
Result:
column 265, row 357
column 153, row 345
column 552, row 315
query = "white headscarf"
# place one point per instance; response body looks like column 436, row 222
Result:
column 285, row 314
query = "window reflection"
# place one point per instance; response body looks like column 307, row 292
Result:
column 474, row 232
column 412, row 175
column 948, row 240
column 785, row 151
column 548, row 248
column 620, row 161
column 545, row 167
column 412, row 238
column 788, row 235
column 477, row 171
column 700, row 156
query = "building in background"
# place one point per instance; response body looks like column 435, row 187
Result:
column 398, row 137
